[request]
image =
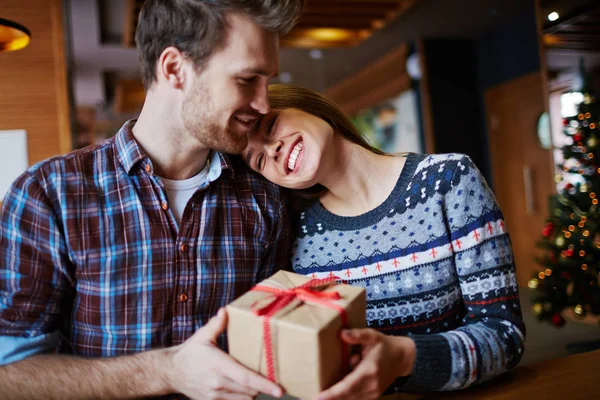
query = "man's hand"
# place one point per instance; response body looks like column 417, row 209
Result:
column 382, row 360
column 200, row 370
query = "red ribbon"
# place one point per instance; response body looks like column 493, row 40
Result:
column 283, row 297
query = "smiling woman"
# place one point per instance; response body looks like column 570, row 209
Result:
column 421, row 233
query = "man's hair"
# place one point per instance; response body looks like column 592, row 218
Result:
column 197, row 27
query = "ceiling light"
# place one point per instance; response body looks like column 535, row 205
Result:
column 329, row 34
column 13, row 36
column 316, row 54
column 553, row 16
column 285, row 77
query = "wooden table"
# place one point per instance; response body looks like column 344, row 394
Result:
column 569, row 378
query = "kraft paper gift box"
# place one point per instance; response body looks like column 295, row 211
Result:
column 288, row 329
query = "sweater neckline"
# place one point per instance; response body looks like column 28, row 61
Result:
column 363, row 220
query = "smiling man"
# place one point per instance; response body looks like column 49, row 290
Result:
column 116, row 256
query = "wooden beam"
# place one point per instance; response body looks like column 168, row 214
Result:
column 575, row 17
column 577, row 37
column 353, row 8
column 337, row 22
column 325, row 2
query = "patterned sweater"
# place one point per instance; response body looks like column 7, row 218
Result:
column 436, row 262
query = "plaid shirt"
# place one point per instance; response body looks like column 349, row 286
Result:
column 89, row 248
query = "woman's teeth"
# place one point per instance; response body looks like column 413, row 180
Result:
column 294, row 156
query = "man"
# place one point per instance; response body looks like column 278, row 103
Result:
column 116, row 256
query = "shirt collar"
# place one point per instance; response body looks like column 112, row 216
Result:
column 130, row 154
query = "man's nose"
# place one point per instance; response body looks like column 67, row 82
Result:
column 261, row 100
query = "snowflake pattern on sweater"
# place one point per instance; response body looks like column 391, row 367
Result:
column 436, row 262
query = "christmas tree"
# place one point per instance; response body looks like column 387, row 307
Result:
column 568, row 282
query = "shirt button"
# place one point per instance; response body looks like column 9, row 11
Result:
column 164, row 206
column 148, row 168
column 183, row 297
column 183, row 247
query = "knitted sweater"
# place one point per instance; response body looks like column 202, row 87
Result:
column 437, row 265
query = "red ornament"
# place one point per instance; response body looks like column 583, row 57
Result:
column 569, row 252
column 568, row 186
column 578, row 137
column 558, row 320
column 565, row 122
column 546, row 232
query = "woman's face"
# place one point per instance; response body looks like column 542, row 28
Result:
column 288, row 147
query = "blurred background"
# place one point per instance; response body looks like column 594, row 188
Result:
column 499, row 80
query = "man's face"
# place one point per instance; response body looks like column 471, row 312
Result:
column 224, row 102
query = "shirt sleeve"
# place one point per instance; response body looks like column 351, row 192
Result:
column 490, row 340
column 277, row 255
column 13, row 349
column 34, row 277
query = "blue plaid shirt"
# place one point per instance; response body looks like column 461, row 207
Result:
column 94, row 263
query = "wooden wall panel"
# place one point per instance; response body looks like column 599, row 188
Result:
column 33, row 81
column 513, row 109
column 373, row 84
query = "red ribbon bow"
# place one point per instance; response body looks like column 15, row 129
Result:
column 282, row 297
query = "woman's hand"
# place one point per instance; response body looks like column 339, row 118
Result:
column 383, row 359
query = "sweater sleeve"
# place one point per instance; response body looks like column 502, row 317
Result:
column 491, row 337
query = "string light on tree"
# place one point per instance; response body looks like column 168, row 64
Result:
column 568, row 281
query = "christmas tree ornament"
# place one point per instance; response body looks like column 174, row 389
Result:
column 569, row 252
column 533, row 283
column 559, row 178
column 537, row 309
column 578, row 310
column 560, row 241
column 558, row 320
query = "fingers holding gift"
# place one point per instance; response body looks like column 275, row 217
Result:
column 213, row 328
column 363, row 337
column 362, row 383
column 201, row 370
column 249, row 379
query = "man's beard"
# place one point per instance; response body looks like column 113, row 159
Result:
column 201, row 119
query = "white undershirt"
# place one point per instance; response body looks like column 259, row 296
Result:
column 180, row 192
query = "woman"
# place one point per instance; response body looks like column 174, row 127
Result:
column 421, row 233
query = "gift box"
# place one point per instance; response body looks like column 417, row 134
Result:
column 288, row 329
